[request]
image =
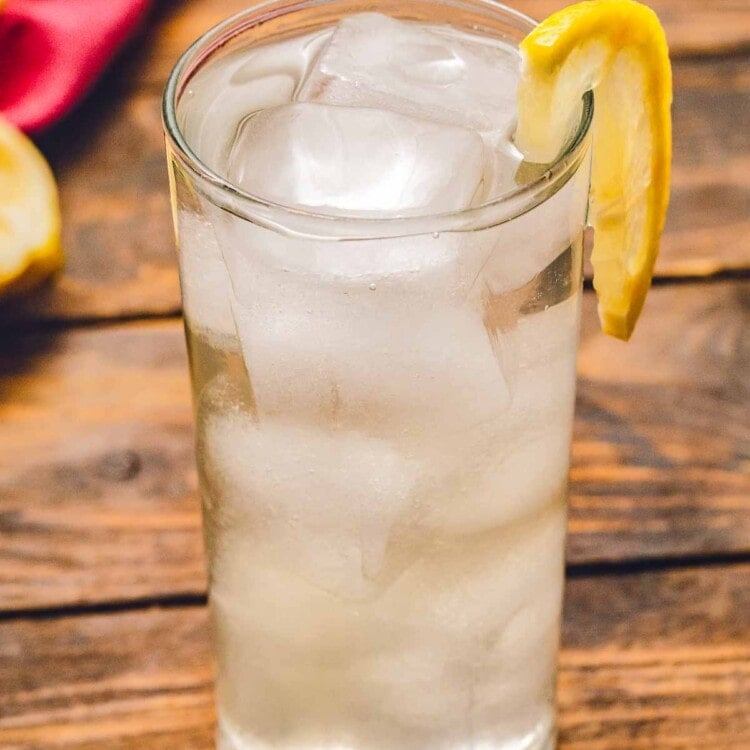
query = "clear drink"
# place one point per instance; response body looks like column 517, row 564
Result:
column 381, row 303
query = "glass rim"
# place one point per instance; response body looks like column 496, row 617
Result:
column 311, row 222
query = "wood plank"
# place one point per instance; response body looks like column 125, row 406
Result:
column 708, row 223
column 109, row 159
column 121, row 680
column 693, row 27
column 98, row 488
column 649, row 661
column 661, row 455
column 656, row 660
column 98, row 492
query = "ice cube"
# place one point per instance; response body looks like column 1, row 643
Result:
column 514, row 688
column 358, row 358
column 233, row 85
column 486, row 484
column 319, row 503
column 371, row 335
column 356, row 159
column 293, row 638
column 520, row 250
column 432, row 72
column 449, row 612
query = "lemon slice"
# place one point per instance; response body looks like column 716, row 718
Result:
column 617, row 49
column 30, row 247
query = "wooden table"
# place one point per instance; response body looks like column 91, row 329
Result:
column 103, row 633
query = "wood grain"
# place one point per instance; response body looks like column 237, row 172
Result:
column 649, row 661
column 661, row 456
column 656, row 660
column 708, row 223
column 97, row 482
column 693, row 27
column 131, row 679
column 98, row 490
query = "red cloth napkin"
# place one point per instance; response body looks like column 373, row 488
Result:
column 51, row 51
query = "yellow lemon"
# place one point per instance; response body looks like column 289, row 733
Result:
column 617, row 49
column 30, row 247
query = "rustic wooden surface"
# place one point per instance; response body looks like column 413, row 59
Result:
column 103, row 640
column 649, row 660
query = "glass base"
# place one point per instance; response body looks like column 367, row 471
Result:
column 542, row 737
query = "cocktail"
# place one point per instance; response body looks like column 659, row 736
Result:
column 381, row 301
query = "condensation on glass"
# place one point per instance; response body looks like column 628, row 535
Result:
column 384, row 403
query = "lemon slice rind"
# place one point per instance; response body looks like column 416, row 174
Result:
column 616, row 48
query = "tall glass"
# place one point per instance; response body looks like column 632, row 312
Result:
column 384, row 409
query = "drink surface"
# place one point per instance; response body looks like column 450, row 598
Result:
column 377, row 115
column 383, row 424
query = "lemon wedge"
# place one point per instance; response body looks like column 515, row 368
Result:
column 617, row 49
column 30, row 248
